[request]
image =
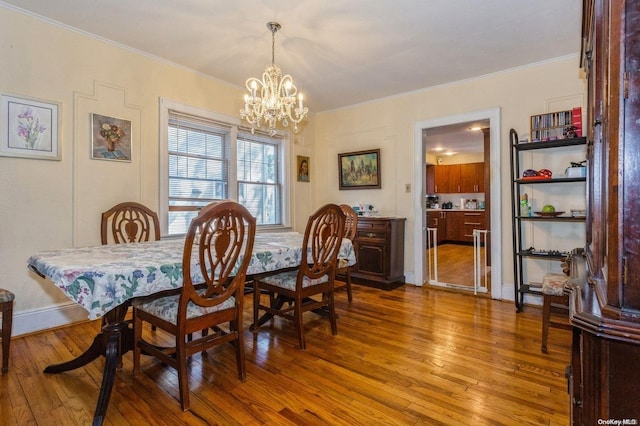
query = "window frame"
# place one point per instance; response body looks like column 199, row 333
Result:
column 234, row 127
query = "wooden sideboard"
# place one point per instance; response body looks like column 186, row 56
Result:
column 380, row 252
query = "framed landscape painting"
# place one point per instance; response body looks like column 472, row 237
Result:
column 359, row 170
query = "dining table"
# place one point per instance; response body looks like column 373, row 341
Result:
column 104, row 279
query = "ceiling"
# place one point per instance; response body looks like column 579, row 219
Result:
column 339, row 52
column 461, row 138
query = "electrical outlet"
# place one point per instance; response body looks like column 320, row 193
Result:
column 407, row 188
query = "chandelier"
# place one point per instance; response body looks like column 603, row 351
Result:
column 273, row 99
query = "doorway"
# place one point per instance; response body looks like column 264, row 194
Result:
column 491, row 116
column 457, row 206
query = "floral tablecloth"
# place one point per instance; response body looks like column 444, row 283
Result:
column 99, row 278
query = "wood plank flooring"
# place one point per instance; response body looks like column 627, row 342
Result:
column 411, row 356
column 455, row 265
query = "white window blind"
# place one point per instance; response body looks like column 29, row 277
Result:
column 198, row 167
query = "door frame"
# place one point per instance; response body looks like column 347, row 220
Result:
column 419, row 198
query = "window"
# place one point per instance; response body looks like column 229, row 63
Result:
column 206, row 157
column 258, row 180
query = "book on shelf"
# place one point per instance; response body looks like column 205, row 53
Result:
column 576, row 120
column 556, row 125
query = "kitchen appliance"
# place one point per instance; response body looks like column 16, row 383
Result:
column 432, row 201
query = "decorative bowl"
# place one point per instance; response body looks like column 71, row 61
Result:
column 549, row 214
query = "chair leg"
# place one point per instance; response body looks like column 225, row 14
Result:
column 332, row 313
column 256, row 305
column 297, row 313
column 236, row 327
column 7, row 321
column 348, row 284
column 546, row 316
column 183, row 378
column 137, row 336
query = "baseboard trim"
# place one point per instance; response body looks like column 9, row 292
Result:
column 28, row 322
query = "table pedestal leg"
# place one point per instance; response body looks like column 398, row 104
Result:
column 95, row 350
column 112, row 339
column 115, row 339
column 275, row 304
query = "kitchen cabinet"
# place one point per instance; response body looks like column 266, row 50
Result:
column 431, row 180
column 455, row 226
column 438, row 220
column 472, row 177
column 458, row 178
column 472, row 220
column 380, row 245
column 441, row 180
column 453, row 175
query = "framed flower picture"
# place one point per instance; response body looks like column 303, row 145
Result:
column 110, row 138
column 29, row 128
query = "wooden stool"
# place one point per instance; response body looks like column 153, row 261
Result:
column 6, row 301
column 552, row 293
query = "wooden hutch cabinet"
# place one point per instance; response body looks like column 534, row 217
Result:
column 380, row 245
column 604, row 376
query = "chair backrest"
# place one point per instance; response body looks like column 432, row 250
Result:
column 350, row 221
column 223, row 234
column 129, row 222
column 324, row 233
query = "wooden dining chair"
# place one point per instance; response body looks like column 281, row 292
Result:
column 129, row 222
column 220, row 239
column 350, row 232
column 314, row 277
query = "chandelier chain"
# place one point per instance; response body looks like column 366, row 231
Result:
column 273, row 45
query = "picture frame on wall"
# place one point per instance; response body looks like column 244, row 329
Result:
column 29, row 128
column 359, row 170
column 110, row 138
column 303, row 165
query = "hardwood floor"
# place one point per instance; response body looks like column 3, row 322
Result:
column 408, row 356
column 455, row 265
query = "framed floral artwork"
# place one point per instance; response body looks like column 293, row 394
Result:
column 359, row 170
column 110, row 138
column 29, row 128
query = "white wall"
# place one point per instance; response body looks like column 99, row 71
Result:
column 388, row 124
column 57, row 204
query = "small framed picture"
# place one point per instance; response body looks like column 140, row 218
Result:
column 29, row 128
column 359, row 170
column 110, row 138
column 303, row 169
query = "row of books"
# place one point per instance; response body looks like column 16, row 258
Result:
column 556, row 125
